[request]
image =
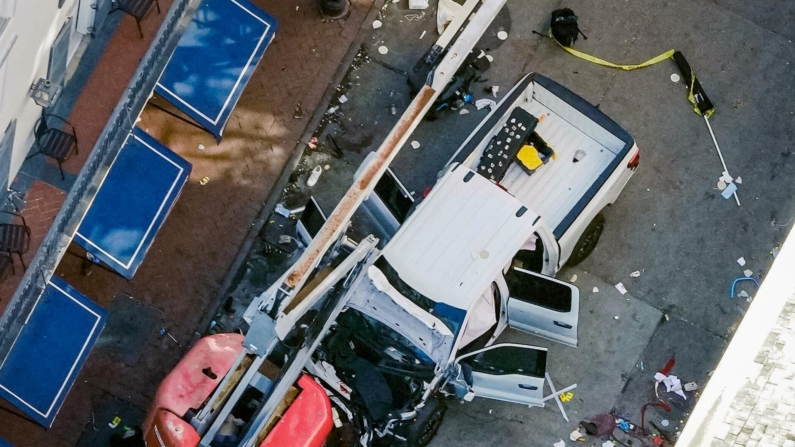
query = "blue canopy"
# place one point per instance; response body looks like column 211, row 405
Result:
column 138, row 192
column 214, row 60
column 50, row 350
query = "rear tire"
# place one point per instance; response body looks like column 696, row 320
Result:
column 419, row 431
column 587, row 243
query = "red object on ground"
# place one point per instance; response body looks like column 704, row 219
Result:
column 426, row 192
column 668, row 367
column 186, row 386
column 307, row 423
column 169, row 430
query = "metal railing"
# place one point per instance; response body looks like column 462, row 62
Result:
column 108, row 145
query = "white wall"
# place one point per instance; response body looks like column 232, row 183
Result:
column 36, row 23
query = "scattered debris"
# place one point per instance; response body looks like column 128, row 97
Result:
column 201, row 147
column 721, row 185
column 414, row 17
column 115, row 422
column 481, row 103
column 559, row 444
column 314, row 176
column 495, row 89
column 285, row 239
column 418, row 4
column 579, row 155
column 596, row 290
column 463, row 111
column 312, row 143
column 667, row 318
column 281, row 210
column 332, row 110
column 377, row 24
column 502, row 35
column 298, row 113
column 423, row 34
column 415, row 144
column 737, row 103
column 641, row 366
column 383, row 50
column 738, row 180
column 741, row 261
column 490, row 58
column 576, row 435
column 675, row 77
column 327, row 167
column 671, row 382
column 742, row 278
column 445, row 13
column 635, row 274
column 616, row 317
column 608, row 444
column 343, row 99
column 573, row 278
column 204, row 180
column 743, row 294
column 774, row 252
column 621, row 288
column 665, row 422
column 748, row 272
column 731, row 188
column 691, row 386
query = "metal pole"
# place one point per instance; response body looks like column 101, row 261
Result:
column 717, row 148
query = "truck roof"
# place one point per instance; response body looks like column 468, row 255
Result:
column 459, row 238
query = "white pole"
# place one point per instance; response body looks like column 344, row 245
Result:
column 725, row 169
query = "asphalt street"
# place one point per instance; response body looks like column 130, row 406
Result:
column 670, row 223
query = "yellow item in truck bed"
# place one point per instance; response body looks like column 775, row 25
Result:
column 528, row 158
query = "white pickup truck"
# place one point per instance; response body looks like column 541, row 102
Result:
column 594, row 159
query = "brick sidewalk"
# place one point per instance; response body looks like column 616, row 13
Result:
column 191, row 255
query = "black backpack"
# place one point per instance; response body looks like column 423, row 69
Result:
column 564, row 27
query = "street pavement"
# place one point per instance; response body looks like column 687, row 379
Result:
column 670, row 223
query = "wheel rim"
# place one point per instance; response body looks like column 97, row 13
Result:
column 589, row 243
column 430, row 428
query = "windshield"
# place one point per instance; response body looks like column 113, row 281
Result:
column 452, row 317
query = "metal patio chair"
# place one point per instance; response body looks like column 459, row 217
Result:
column 15, row 238
column 137, row 9
column 53, row 141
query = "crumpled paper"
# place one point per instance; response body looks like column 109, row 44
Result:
column 672, row 383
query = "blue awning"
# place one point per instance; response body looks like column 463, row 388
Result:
column 214, row 60
column 138, row 192
column 50, row 350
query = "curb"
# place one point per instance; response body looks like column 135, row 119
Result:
column 284, row 177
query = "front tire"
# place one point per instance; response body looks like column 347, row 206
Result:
column 587, row 243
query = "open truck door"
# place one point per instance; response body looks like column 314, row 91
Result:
column 544, row 306
column 507, row 371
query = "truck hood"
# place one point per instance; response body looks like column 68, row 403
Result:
column 376, row 298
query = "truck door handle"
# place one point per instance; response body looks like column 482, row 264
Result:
column 563, row 325
column 528, row 387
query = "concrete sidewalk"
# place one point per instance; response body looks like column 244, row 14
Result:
column 191, row 255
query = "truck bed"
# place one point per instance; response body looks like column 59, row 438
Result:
column 560, row 189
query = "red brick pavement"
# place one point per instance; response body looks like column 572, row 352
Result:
column 192, row 252
column 43, row 203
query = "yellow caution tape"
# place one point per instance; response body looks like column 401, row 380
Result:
column 667, row 55
column 692, row 99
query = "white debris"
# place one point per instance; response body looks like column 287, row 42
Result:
column 446, row 11
column 738, row 180
column 675, row 77
column 691, row 386
column 383, row 50
column 343, row 99
column 481, row 103
column 418, row 4
column 579, row 155
column 490, row 58
column 671, row 382
column 596, row 290
column 495, row 89
column 281, row 210
column 463, row 111
column 332, row 110
column 721, row 184
column 742, row 294
column 377, row 24
column 741, row 261
column 621, row 288
column 635, row 274
column 502, row 35
column 573, row 278
column 415, row 144
column 608, row 444
column 423, row 34
column 559, row 444
column 201, row 147
column 616, row 317
column 748, row 273
column 576, row 435
column 726, row 177
column 314, row 176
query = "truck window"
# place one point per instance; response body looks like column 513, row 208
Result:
column 531, row 255
column 509, row 360
column 393, row 196
column 530, row 289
